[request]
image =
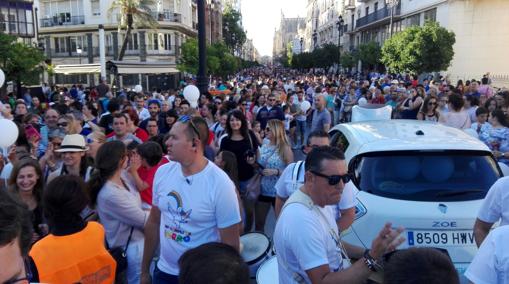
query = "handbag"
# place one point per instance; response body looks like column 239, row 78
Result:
column 120, row 256
column 253, row 187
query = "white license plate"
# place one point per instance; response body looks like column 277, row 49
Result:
column 441, row 238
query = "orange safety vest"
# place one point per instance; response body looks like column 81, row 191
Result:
column 76, row 258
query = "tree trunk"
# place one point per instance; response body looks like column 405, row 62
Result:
column 126, row 38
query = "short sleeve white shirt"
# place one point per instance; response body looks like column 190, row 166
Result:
column 285, row 186
column 491, row 263
column 496, row 203
column 303, row 241
column 193, row 209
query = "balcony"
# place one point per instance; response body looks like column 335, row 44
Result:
column 350, row 5
column 62, row 21
column 167, row 17
column 160, row 50
column 378, row 15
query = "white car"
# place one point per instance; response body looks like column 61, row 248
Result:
column 429, row 178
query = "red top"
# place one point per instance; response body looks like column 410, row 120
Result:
column 147, row 175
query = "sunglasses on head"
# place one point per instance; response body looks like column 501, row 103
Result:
column 187, row 118
column 334, row 179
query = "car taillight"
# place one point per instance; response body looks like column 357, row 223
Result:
column 360, row 210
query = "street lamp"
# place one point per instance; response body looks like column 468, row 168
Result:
column 301, row 44
column 340, row 30
column 315, row 37
column 79, row 51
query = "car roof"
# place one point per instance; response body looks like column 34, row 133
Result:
column 401, row 135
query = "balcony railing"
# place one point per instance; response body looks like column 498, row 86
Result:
column 167, row 17
column 377, row 16
column 155, row 50
column 62, row 21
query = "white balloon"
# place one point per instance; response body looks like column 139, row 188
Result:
column 192, row 94
column 2, row 78
column 305, row 105
column 138, row 88
column 9, row 133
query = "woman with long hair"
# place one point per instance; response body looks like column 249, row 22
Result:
column 456, row 117
column 69, row 124
column 118, row 203
column 497, row 136
column 26, row 182
column 491, row 104
column 94, row 141
column 208, row 112
column 227, row 161
column 428, row 110
column 411, row 105
column 170, row 118
column 274, row 157
column 132, row 125
column 243, row 143
column 74, row 162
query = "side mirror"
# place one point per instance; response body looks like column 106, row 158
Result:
column 504, row 168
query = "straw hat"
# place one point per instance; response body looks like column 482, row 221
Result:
column 72, row 143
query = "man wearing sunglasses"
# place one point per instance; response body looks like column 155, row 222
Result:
column 194, row 202
column 270, row 111
column 292, row 179
column 308, row 244
column 15, row 238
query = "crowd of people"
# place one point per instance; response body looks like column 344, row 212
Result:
column 151, row 188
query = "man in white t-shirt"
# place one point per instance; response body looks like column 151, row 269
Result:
column 306, row 238
column 292, row 179
column 194, row 202
column 491, row 263
column 495, row 207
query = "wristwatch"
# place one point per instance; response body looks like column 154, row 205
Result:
column 371, row 263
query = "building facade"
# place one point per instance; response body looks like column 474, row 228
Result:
column 482, row 36
column 18, row 18
column 70, row 34
column 285, row 34
column 214, row 21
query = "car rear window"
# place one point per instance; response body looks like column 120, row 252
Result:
column 427, row 176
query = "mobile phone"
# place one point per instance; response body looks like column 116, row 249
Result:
column 32, row 133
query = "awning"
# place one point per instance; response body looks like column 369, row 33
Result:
column 136, row 67
column 78, row 69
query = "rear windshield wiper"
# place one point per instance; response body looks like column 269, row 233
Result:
column 449, row 193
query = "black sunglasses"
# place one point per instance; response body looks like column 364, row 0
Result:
column 187, row 118
column 63, row 124
column 334, row 179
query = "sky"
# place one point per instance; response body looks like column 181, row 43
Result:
column 261, row 17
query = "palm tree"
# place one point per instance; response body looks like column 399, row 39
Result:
column 132, row 13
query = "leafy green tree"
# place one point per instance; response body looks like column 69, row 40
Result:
column 419, row 49
column 349, row 59
column 20, row 62
column 132, row 13
column 220, row 62
column 233, row 34
column 188, row 60
column 369, row 53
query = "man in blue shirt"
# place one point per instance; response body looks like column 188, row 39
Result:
column 270, row 111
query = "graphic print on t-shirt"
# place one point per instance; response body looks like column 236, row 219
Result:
column 179, row 216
